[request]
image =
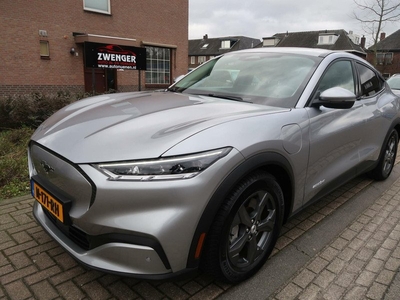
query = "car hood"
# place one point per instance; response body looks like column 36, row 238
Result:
column 126, row 126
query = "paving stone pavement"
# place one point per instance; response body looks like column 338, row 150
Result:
column 362, row 262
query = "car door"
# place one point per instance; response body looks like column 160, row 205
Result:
column 334, row 134
column 378, row 111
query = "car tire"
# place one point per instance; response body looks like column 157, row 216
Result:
column 387, row 157
column 245, row 229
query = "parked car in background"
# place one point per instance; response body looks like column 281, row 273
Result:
column 204, row 174
column 394, row 83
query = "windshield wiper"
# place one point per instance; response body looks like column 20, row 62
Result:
column 172, row 89
column 223, row 96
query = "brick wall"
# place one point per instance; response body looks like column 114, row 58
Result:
column 389, row 69
column 22, row 69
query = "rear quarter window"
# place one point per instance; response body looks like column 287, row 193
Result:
column 370, row 82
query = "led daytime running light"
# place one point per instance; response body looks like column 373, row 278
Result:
column 178, row 167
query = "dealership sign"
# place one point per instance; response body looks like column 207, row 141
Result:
column 114, row 56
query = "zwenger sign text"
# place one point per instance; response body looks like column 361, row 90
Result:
column 114, row 56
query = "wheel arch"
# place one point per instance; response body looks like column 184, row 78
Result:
column 397, row 127
column 274, row 163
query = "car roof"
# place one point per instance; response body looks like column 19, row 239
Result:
column 292, row 50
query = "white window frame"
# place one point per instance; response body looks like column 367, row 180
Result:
column 389, row 58
column 327, row 39
column 201, row 59
column 87, row 6
column 158, row 61
column 44, row 49
column 226, row 44
column 193, row 60
column 380, row 58
column 384, row 58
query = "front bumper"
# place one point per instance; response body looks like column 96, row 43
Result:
column 144, row 229
column 121, row 258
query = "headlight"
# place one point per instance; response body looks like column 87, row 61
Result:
column 177, row 167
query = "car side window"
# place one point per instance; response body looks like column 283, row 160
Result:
column 339, row 74
column 369, row 80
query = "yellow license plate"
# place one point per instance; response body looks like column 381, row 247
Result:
column 47, row 201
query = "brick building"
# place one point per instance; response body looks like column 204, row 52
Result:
column 43, row 44
column 387, row 58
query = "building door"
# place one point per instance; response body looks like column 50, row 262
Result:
column 100, row 81
column 111, row 78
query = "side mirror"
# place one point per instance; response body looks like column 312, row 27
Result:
column 336, row 97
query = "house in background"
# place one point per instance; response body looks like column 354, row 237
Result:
column 206, row 48
column 325, row 39
column 387, row 59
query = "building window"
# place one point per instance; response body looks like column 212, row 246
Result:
column 99, row 6
column 193, row 60
column 44, row 50
column 201, row 59
column 225, row 44
column 158, row 61
column 389, row 58
column 384, row 58
column 327, row 39
column 211, row 56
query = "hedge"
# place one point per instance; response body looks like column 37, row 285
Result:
column 31, row 110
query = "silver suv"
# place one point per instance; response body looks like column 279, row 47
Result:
column 204, row 174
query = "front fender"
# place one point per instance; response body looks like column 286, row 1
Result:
column 272, row 162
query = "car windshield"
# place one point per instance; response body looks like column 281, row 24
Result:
column 394, row 82
column 273, row 79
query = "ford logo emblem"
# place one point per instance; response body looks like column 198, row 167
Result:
column 46, row 167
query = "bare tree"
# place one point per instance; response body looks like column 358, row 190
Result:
column 374, row 14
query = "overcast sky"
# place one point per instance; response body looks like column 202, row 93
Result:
column 264, row 18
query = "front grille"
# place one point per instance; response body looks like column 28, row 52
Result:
column 68, row 184
column 88, row 242
column 63, row 178
column 74, row 234
column 79, row 237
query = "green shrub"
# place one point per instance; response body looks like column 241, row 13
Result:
column 19, row 116
column 14, row 177
column 31, row 110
